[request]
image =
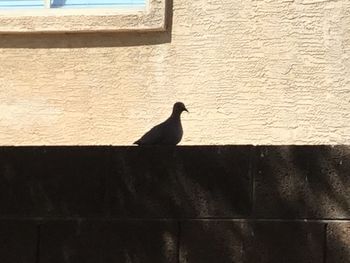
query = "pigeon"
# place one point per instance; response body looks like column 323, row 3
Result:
column 168, row 132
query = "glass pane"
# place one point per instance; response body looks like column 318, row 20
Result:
column 19, row 4
column 98, row 3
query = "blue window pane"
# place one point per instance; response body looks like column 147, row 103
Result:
column 18, row 4
column 98, row 3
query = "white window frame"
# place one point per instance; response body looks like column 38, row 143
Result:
column 61, row 20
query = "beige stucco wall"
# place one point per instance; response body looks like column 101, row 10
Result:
column 250, row 72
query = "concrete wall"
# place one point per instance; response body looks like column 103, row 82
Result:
column 239, row 204
column 250, row 72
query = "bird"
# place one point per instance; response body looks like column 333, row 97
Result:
column 168, row 132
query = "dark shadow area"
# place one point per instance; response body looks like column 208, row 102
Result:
column 53, row 181
column 240, row 204
column 249, row 241
column 299, row 195
column 308, row 185
column 90, row 40
column 84, row 40
column 109, row 241
column 181, row 182
column 18, row 241
column 303, row 182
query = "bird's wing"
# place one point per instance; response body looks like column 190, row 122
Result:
column 153, row 136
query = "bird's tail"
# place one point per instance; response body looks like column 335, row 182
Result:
column 138, row 142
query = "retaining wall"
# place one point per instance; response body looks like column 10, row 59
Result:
column 175, row 204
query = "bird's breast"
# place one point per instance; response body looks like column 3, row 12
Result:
column 178, row 133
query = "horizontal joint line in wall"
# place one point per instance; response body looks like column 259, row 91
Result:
column 314, row 220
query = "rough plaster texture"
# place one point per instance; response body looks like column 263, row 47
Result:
column 250, row 72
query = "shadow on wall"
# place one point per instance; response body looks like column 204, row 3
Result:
column 300, row 212
column 242, row 203
column 90, row 40
column 180, row 204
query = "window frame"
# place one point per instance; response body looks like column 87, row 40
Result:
column 80, row 20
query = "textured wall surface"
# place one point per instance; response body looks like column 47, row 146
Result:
column 250, row 72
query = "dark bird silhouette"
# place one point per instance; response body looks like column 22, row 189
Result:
column 168, row 132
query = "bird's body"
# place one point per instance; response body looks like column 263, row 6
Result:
column 168, row 132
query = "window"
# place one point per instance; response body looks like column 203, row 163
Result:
column 20, row 4
column 26, row 16
column 98, row 3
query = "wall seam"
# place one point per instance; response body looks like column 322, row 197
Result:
column 253, row 168
column 179, row 241
column 325, row 241
column 38, row 243
column 107, row 176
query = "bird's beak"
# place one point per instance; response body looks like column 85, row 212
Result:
column 186, row 110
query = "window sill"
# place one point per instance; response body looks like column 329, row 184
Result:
column 85, row 20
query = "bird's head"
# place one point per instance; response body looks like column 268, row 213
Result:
column 179, row 107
